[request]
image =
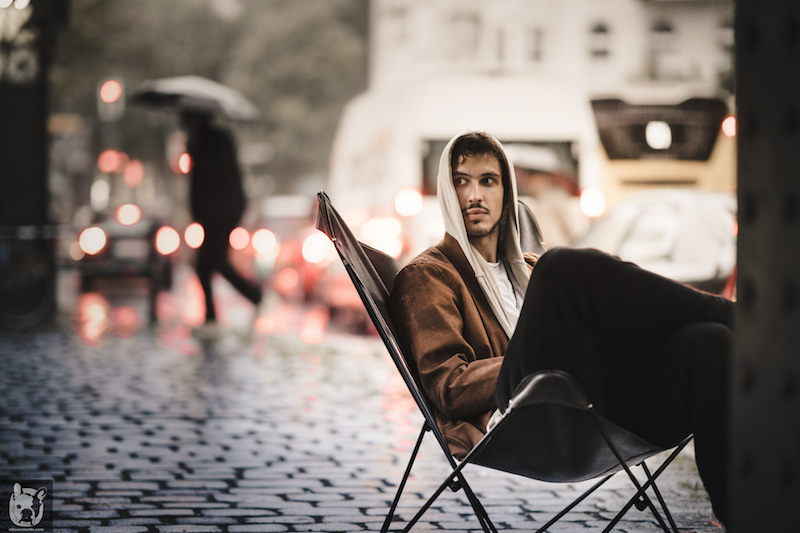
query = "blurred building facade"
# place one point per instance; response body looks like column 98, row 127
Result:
column 607, row 45
column 580, row 79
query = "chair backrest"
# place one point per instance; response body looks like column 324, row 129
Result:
column 530, row 235
column 372, row 273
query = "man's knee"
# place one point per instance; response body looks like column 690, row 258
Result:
column 705, row 347
column 568, row 263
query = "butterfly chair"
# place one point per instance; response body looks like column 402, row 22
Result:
column 549, row 430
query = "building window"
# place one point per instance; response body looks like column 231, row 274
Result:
column 464, row 32
column 536, row 45
column 726, row 55
column 663, row 37
column 599, row 42
column 664, row 60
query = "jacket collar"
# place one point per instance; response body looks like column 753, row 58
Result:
column 455, row 255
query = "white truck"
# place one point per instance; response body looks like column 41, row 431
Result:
column 385, row 156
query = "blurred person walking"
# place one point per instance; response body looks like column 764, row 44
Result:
column 217, row 202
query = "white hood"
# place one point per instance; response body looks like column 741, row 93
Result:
column 454, row 225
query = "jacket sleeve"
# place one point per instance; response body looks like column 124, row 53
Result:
column 428, row 311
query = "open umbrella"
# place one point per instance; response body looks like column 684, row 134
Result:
column 194, row 93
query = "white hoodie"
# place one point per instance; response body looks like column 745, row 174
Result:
column 454, row 225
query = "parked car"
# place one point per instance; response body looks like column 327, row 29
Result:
column 126, row 244
column 685, row 235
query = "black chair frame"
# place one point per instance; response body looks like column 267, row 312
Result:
column 542, row 398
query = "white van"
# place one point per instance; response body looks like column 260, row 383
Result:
column 385, row 156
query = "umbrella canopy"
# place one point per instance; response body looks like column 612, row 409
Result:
column 194, row 93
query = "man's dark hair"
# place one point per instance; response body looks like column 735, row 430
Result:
column 478, row 143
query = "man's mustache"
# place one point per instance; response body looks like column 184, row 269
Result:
column 475, row 206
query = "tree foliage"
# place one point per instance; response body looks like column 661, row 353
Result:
column 299, row 60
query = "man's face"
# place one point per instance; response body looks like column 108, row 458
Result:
column 479, row 185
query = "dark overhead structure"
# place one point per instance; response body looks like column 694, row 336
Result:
column 765, row 459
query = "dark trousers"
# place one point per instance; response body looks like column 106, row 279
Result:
column 213, row 256
column 652, row 354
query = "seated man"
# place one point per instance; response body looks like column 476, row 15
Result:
column 477, row 317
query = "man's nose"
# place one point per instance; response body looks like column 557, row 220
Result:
column 475, row 192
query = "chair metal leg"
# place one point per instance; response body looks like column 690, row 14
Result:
column 477, row 507
column 651, row 481
column 455, row 480
column 639, row 498
column 425, row 507
column 574, row 504
column 480, row 511
column 402, row 485
column 658, row 472
column 660, row 498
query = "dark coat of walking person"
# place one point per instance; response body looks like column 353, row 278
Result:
column 217, row 202
column 478, row 316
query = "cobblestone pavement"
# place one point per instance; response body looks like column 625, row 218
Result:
column 157, row 432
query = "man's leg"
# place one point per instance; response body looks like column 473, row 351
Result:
column 204, row 267
column 652, row 354
column 580, row 303
column 249, row 290
column 217, row 251
column 683, row 390
column 212, row 256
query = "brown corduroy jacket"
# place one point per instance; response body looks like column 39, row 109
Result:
column 445, row 324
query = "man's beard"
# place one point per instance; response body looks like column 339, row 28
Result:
column 475, row 232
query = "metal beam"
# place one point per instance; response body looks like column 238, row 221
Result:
column 765, row 466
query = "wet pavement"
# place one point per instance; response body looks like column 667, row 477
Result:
column 282, row 424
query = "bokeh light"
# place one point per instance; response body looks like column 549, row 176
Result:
column 133, row 173
column 129, row 214
column 408, row 202
column 592, row 202
column 167, row 240
column 239, row 238
column 265, row 242
column 110, row 91
column 729, row 127
column 92, row 240
column 194, row 235
column 317, row 248
column 111, row 161
column 185, row 163
column 383, row 233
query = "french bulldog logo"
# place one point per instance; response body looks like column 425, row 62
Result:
column 26, row 506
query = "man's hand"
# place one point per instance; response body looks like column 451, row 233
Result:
column 530, row 258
